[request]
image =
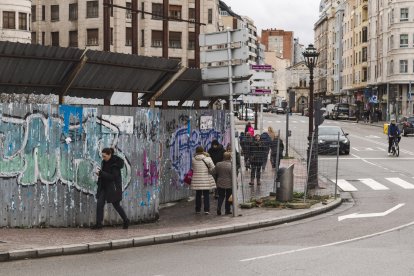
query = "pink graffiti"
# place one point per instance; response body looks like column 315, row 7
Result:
column 149, row 172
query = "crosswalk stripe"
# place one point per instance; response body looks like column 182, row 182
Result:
column 402, row 183
column 373, row 184
column 346, row 186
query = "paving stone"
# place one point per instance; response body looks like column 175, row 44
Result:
column 142, row 241
column 49, row 251
column 124, row 243
column 75, row 249
column 99, row 246
column 22, row 254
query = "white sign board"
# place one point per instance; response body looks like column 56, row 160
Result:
column 212, row 73
column 125, row 124
column 211, row 39
column 263, row 99
column 223, row 55
column 206, row 122
column 223, row 89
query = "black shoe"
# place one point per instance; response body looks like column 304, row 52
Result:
column 126, row 224
column 228, row 213
column 97, row 227
column 218, row 213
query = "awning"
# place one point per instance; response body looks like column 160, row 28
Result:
column 37, row 69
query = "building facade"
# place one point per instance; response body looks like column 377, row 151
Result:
column 15, row 17
column 79, row 23
column 280, row 42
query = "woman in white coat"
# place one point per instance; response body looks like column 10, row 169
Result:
column 202, row 181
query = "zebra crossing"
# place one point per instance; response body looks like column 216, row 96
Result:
column 373, row 184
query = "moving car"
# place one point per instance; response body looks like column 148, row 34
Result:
column 328, row 140
column 407, row 125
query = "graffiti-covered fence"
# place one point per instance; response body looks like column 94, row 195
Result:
column 48, row 154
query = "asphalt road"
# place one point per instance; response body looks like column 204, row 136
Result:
column 372, row 233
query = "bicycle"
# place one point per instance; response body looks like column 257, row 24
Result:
column 395, row 148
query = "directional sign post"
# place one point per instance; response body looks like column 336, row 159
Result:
column 219, row 80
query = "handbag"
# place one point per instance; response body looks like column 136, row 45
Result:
column 188, row 177
column 230, row 200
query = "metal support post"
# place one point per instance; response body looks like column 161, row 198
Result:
column 337, row 162
column 232, row 126
column 287, row 133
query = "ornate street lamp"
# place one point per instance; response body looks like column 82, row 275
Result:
column 311, row 59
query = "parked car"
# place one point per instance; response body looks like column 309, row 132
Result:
column 250, row 114
column 340, row 111
column 407, row 125
column 328, row 140
column 280, row 110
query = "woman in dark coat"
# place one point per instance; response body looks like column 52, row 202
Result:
column 257, row 157
column 109, row 187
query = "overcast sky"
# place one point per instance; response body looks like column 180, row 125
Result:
column 298, row 16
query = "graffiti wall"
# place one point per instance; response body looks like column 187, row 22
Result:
column 48, row 154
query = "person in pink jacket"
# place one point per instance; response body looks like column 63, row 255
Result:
column 249, row 129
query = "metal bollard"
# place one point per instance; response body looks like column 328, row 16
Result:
column 285, row 184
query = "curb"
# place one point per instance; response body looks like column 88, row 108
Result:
column 162, row 238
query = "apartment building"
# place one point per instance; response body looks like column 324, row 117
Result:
column 279, row 41
column 79, row 23
column 391, row 55
column 15, row 20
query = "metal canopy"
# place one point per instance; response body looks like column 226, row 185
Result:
column 37, row 69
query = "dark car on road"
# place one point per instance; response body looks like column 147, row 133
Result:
column 407, row 126
column 328, row 140
column 278, row 110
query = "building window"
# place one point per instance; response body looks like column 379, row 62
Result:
column 33, row 13
column 73, row 39
column 404, row 66
column 43, row 13
column 142, row 38
column 156, row 38
column 55, row 38
column 54, row 12
column 157, row 11
column 191, row 41
column 364, row 54
column 128, row 36
column 9, row 20
column 174, row 40
column 43, row 38
column 143, row 10
column 191, row 14
column 128, row 13
column 404, row 14
column 92, row 37
column 34, row 38
column 364, row 34
column 22, row 21
column 73, row 11
column 210, row 16
column 175, row 12
column 403, row 40
column 391, row 42
column 92, row 9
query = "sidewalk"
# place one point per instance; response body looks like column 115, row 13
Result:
column 178, row 221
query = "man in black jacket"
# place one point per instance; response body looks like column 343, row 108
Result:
column 257, row 157
column 216, row 152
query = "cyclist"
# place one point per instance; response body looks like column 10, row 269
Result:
column 393, row 133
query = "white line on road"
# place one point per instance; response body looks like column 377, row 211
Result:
column 329, row 244
column 345, row 185
column 371, row 215
column 402, row 183
column 373, row 184
column 368, row 158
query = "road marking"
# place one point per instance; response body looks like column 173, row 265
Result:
column 373, row 184
column 402, row 183
column 371, row 215
column 372, row 137
column 382, row 144
column 345, row 185
column 329, row 244
column 368, row 158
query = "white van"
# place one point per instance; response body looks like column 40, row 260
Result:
column 328, row 112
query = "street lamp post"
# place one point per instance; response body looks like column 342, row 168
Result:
column 311, row 59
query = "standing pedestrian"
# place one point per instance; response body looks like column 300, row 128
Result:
column 274, row 158
column 249, row 129
column 257, row 152
column 245, row 142
column 109, row 187
column 202, row 181
column 265, row 138
column 238, row 161
column 216, row 152
column 357, row 115
column 224, row 183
